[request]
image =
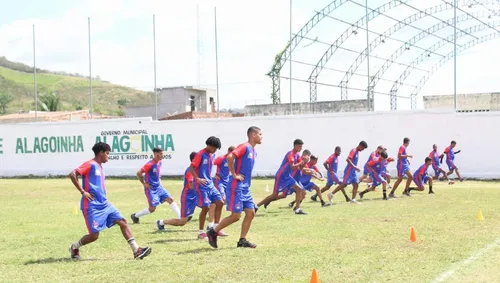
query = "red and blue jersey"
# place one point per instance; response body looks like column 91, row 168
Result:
column 450, row 153
column 203, row 163
column 403, row 161
column 152, row 173
column 291, row 158
column 188, row 179
column 244, row 161
column 93, row 183
column 377, row 165
column 422, row 170
column 222, row 169
column 306, row 178
column 353, row 156
column 333, row 162
column 435, row 158
column 372, row 156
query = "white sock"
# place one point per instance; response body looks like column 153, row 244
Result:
column 133, row 244
column 210, row 225
column 142, row 212
column 175, row 209
column 76, row 245
column 162, row 222
column 201, row 231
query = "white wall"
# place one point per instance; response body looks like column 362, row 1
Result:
column 476, row 135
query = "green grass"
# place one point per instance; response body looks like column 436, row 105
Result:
column 74, row 92
column 345, row 243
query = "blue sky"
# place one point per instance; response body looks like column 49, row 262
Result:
column 250, row 35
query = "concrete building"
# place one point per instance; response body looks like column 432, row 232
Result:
column 176, row 100
column 360, row 105
column 476, row 102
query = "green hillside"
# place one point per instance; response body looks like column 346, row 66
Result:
column 73, row 91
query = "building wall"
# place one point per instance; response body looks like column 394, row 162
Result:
column 25, row 146
column 465, row 102
column 307, row 108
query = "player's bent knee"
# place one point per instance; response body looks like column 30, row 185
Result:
column 94, row 236
column 152, row 209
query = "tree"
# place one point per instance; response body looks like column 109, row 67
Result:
column 49, row 101
column 122, row 101
column 5, row 99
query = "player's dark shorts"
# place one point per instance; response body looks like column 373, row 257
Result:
column 156, row 196
column 238, row 197
column 309, row 186
column 350, row 176
column 284, row 183
column 189, row 201
column 420, row 180
column 208, row 195
column 100, row 218
column 332, row 179
column 451, row 165
column 402, row 169
column 377, row 178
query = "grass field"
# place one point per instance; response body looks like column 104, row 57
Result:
column 344, row 242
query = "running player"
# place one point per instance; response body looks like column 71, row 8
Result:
column 350, row 172
column 331, row 165
column 403, row 166
column 434, row 156
column 189, row 200
column 311, row 171
column 297, row 175
column 99, row 214
column 201, row 168
column 284, row 181
column 450, row 157
column 154, row 191
column 377, row 169
column 239, row 198
column 372, row 156
column 420, row 177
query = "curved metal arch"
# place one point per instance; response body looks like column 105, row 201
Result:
column 401, row 50
column 313, row 86
column 283, row 56
column 422, row 57
column 441, row 62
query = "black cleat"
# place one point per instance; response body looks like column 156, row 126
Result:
column 243, row 243
column 212, row 238
column 142, row 253
column 325, row 204
column 75, row 253
column 290, row 205
column 314, row 197
column 300, row 212
column 431, row 192
column 265, row 205
column 135, row 220
column 361, row 194
column 189, row 218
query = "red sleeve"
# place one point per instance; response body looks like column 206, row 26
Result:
column 372, row 163
column 84, row 169
column 401, row 150
column 352, row 153
column 330, row 159
column 446, row 150
column 197, row 160
column 431, row 155
column 147, row 167
column 291, row 157
column 374, row 155
column 189, row 177
column 218, row 160
column 390, row 159
column 239, row 151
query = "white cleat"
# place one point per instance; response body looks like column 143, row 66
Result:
column 353, row 201
column 330, row 198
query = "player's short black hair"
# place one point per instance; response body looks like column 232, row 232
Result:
column 213, row 141
column 313, row 157
column 231, row 148
column 427, row 159
column 406, row 140
column 192, row 155
column 453, row 142
column 384, row 154
column 306, row 152
column 252, row 129
column 363, row 144
column 157, row 149
column 100, row 147
column 298, row 141
column 337, row 148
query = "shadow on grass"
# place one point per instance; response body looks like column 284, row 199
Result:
column 268, row 213
column 200, row 250
column 172, row 231
column 165, row 241
column 55, row 260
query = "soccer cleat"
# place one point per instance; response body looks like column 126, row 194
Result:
column 135, row 220
column 385, row 198
column 314, row 197
column 451, row 182
column 75, row 253
column 325, row 204
column 202, row 236
column 330, row 197
column 244, row 243
column 142, row 253
column 392, row 196
column 347, row 199
column 300, row 212
column 290, row 205
column 353, row 201
column 189, row 218
column 406, row 193
column 159, row 225
column 222, row 234
column 431, row 192
column 255, row 207
column 212, row 238
column 361, row 194
column 265, row 205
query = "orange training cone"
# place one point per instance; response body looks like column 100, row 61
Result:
column 413, row 235
column 314, row 277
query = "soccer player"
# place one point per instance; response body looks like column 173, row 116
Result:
column 297, row 176
column 154, row 191
column 420, row 177
column 283, row 180
column 450, row 157
column 435, row 157
column 372, row 156
column 201, row 168
column 403, row 166
column 310, row 171
column 331, row 165
column 239, row 198
column 377, row 169
column 350, row 173
column 189, row 200
column 99, row 214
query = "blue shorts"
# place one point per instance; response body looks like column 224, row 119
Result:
column 189, row 201
column 332, row 179
column 350, row 176
column 284, row 182
column 239, row 198
column 98, row 219
column 420, row 180
column 208, row 196
column 451, row 165
column 402, row 169
column 222, row 187
column 377, row 178
column 156, row 196
column 365, row 169
column 309, row 186
column 437, row 172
